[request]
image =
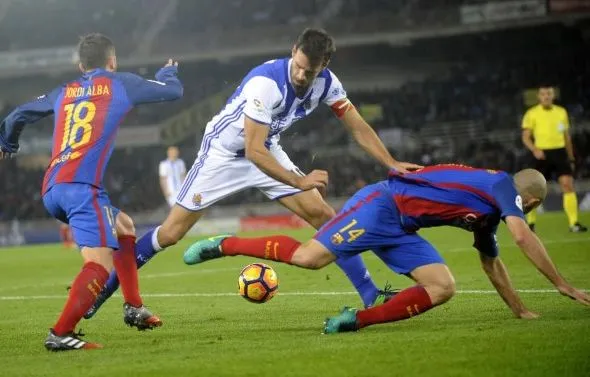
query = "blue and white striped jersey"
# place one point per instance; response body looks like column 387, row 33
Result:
column 267, row 96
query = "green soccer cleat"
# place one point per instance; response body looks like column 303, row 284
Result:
column 203, row 250
column 343, row 322
column 384, row 295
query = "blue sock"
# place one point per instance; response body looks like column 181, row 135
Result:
column 145, row 248
column 356, row 271
column 144, row 251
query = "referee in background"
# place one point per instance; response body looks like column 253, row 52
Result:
column 545, row 132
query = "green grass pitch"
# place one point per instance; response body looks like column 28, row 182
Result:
column 210, row 331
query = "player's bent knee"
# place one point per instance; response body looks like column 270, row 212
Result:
column 307, row 262
column 125, row 225
column 320, row 215
column 448, row 289
column 302, row 258
column 441, row 291
column 311, row 257
column 437, row 280
column 99, row 255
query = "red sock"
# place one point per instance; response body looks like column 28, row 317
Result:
column 83, row 292
column 408, row 303
column 277, row 248
column 126, row 268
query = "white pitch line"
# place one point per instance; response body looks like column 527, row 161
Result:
column 193, row 271
column 212, row 270
column 231, row 294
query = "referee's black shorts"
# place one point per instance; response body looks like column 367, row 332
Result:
column 555, row 164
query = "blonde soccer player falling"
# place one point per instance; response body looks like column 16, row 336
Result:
column 385, row 217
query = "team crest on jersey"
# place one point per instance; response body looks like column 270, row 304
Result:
column 339, row 91
column 337, row 239
column 197, row 198
column 491, row 171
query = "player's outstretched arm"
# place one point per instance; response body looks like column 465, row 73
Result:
column 166, row 87
column 498, row 275
column 12, row 126
column 532, row 247
column 367, row 138
column 256, row 134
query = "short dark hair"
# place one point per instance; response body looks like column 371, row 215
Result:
column 94, row 50
column 316, row 44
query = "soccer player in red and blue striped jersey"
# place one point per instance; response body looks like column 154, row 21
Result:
column 88, row 112
column 384, row 217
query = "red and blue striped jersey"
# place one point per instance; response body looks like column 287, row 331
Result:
column 456, row 195
column 88, row 112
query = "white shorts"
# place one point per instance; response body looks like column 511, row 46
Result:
column 217, row 175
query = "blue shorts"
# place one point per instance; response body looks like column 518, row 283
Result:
column 370, row 220
column 88, row 210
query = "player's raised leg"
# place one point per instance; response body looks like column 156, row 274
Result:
column 311, row 254
column 310, row 206
column 370, row 209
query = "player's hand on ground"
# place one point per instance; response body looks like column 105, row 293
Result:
column 316, row 179
column 575, row 294
column 171, row 63
column 527, row 315
column 539, row 154
column 405, row 167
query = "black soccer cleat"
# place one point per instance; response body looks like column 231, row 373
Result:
column 140, row 317
column 578, row 228
column 68, row 342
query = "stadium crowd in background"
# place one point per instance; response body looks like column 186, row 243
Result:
column 474, row 87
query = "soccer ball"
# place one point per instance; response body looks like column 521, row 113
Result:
column 258, row 283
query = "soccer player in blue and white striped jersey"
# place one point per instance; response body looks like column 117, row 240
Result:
column 172, row 172
column 240, row 149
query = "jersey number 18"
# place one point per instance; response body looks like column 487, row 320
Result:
column 78, row 117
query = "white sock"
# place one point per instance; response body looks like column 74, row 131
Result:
column 155, row 243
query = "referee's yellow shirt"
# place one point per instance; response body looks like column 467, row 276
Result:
column 548, row 126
